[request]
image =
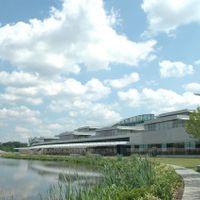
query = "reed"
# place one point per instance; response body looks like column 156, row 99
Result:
column 123, row 179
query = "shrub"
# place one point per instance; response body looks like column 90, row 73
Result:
column 166, row 182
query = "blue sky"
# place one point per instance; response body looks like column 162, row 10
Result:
column 69, row 63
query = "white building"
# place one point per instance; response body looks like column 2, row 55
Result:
column 164, row 134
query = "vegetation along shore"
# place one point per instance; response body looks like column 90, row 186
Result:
column 124, row 178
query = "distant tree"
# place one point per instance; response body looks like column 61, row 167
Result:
column 193, row 124
column 10, row 146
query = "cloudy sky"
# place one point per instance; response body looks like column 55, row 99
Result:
column 69, row 63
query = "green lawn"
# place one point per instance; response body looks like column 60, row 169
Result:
column 184, row 162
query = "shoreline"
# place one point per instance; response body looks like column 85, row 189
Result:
column 99, row 162
column 91, row 160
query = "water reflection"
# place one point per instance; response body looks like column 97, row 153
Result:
column 26, row 179
column 10, row 162
column 48, row 168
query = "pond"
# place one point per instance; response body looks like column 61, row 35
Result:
column 26, row 179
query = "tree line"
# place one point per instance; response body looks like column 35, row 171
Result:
column 11, row 145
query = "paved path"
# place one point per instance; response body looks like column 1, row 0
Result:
column 191, row 181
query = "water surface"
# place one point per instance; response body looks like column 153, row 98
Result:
column 26, row 179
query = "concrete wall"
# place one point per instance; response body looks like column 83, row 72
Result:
column 174, row 135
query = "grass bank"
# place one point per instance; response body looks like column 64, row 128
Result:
column 93, row 160
column 184, row 162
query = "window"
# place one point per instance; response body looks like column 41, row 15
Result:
column 170, row 145
column 197, row 145
column 179, row 145
column 175, row 124
column 175, row 145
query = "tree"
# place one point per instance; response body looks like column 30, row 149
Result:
column 10, row 146
column 193, row 124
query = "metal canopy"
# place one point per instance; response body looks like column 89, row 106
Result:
column 77, row 145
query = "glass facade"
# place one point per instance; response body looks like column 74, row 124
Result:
column 197, row 145
column 164, row 125
column 167, row 146
column 114, row 132
column 190, row 145
column 179, row 148
column 139, row 119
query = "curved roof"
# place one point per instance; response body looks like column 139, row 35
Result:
column 77, row 145
column 135, row 120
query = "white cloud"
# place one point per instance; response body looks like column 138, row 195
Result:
column 43, row 52
column 80, row 33
column 22, row 114
column 160, row 100
column 174, row 69
column 20, row 123
column 124, row 81
column 103, row 113
column 132, row 96
column 96, row 90
column 84, row 111
column 193, row 87
column 14, row 99
column 26, row 92
column 167, row 15
column 18, row 78
column 67, row 96
column 23, row 133
column 54, row 126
